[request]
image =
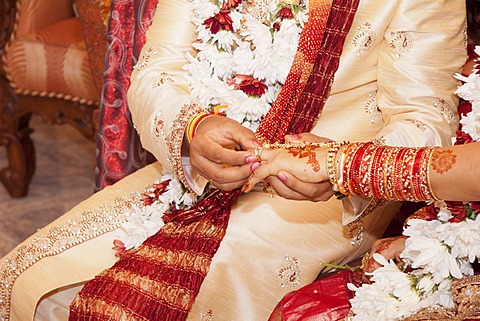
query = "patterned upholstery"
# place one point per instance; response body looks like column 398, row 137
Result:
column 52, row 66
column 47, row 56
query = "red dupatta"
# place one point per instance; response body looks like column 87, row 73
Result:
column 160, row 279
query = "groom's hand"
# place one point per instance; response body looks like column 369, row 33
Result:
column 218, row 152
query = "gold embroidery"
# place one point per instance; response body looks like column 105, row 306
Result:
column 371, row 107
column 402, row 42
column 207, row 316
column 290, row 275
column 175, row 139
column 365, row 39
column 417, row 123
column 161, row 79
column 446, row 111
column 58, row 239
column 158, row 128
column 145, row 59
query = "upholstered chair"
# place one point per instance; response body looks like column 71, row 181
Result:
column 45, row 70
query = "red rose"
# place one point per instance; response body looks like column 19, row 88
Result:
column 285, row 13
column 221, row 21
column 427, row 213
column 250, row 85
column 458, row 211
column 463, row 138
column 475, row 206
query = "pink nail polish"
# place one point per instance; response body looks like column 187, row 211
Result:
column 250, row 159
column 282, row 177
column 255, row 166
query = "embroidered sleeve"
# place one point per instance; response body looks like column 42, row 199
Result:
column 418, row 59
column 159, row 95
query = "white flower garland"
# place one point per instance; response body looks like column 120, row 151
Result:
column 260, row 49
column 437, row 250
column 253, row 49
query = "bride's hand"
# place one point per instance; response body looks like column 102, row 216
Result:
column 297, row 165
column 389, row 248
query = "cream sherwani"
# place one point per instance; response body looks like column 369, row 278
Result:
column 395, row 83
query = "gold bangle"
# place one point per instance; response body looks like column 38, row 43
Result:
column 330, row 166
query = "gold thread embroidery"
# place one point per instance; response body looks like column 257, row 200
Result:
column 446, row 111
column 290, row 275
column 402, row 42
column 371, row 107
column 365, row 39
column 418, row 124
column 158, row 128
column 57, row 239
column 145, row 58
column 175, row 138
column 162, row 79
column 207, row 316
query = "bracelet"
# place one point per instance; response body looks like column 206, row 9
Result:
column 332, row 165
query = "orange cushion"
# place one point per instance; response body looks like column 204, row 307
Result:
column 52, row 61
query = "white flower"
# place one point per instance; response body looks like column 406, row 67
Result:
column 203, row 10
column 432, row 256
column 444, row 215
column 471, row 125
column 470, row 90
column 140, row 224
column 390, row 297
column 463, row 238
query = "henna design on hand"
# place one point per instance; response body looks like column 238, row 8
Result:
column 307, row 152
column 442, row 161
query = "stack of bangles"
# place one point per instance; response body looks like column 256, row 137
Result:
column 196, row 120
column 382, row 172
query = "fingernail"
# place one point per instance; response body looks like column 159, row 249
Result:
column 282, row 177
column 256, row 143
column 255, row 166
column 250, row 159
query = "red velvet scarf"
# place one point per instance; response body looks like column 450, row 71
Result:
column 160, row 279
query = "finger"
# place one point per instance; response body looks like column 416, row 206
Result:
column 282, row 190
column 260, row 172
column 316, row 192
column 228, row 132
column 216, row 153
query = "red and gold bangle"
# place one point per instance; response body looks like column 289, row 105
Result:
column 194, row 123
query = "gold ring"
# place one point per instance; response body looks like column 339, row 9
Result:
column 258, row 153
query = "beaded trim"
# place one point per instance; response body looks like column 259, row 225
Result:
column 58, row 239
column 371, row 107
column 446, row 111
column 175, row 140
